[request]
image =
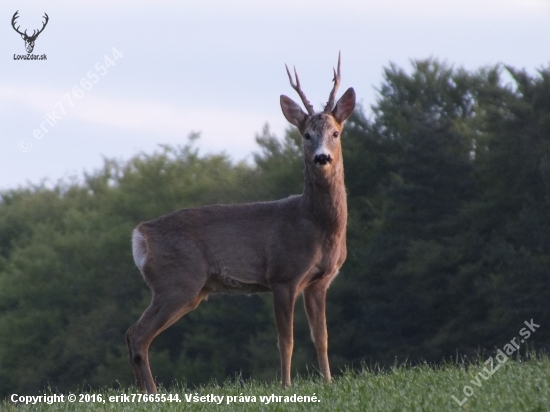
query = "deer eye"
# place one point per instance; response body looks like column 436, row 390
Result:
column 307, row 136
column 335, row 134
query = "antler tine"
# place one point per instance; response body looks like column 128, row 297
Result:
column 296, row 86
column 44, row 24
column 15, row 17
column 336, row 81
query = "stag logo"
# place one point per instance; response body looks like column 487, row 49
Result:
column 29, row 40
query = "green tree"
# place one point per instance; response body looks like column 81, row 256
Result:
column 448, row 242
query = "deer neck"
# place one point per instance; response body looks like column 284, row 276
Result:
column 324, row 197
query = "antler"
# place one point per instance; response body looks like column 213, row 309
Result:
column 34, row 33
column 15, row 16
column 336, row 81
column 298, row 89
column 43, row 25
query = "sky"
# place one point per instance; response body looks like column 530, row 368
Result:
column 122, row 78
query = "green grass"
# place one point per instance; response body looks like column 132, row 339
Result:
column 515, row 386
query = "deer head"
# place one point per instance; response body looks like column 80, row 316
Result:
column 320, row 131
column 29, row 40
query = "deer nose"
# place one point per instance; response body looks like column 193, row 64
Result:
column 323, row 159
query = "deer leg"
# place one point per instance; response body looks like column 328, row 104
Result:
column 135, row 369
column 284, row 300
column 161, row 314
column 314, row 302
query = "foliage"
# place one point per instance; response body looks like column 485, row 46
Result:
column 448, row 242
column 514, row 386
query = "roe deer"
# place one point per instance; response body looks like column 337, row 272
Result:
column 287, row 247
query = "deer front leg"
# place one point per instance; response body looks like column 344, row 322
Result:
column 314, row 302
column 284, row 300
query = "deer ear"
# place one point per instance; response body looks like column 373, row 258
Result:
column 293, row 112
column 345, row 106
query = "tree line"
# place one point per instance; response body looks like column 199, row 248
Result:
column 448, row 184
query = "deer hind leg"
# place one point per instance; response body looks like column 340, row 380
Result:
column 165, row 309
column 314, row 302
column 284, row 300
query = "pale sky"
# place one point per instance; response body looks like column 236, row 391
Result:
column 217, row 67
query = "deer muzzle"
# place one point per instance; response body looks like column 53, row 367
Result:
column 323, row 159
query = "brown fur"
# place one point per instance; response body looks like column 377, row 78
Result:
column 287, row 247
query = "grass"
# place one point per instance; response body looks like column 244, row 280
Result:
column 514, row 386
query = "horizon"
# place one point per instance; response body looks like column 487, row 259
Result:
column 218, row 69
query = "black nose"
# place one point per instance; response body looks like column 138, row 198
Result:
column 323, row 159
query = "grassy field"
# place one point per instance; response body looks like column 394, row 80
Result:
column 513, row 386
